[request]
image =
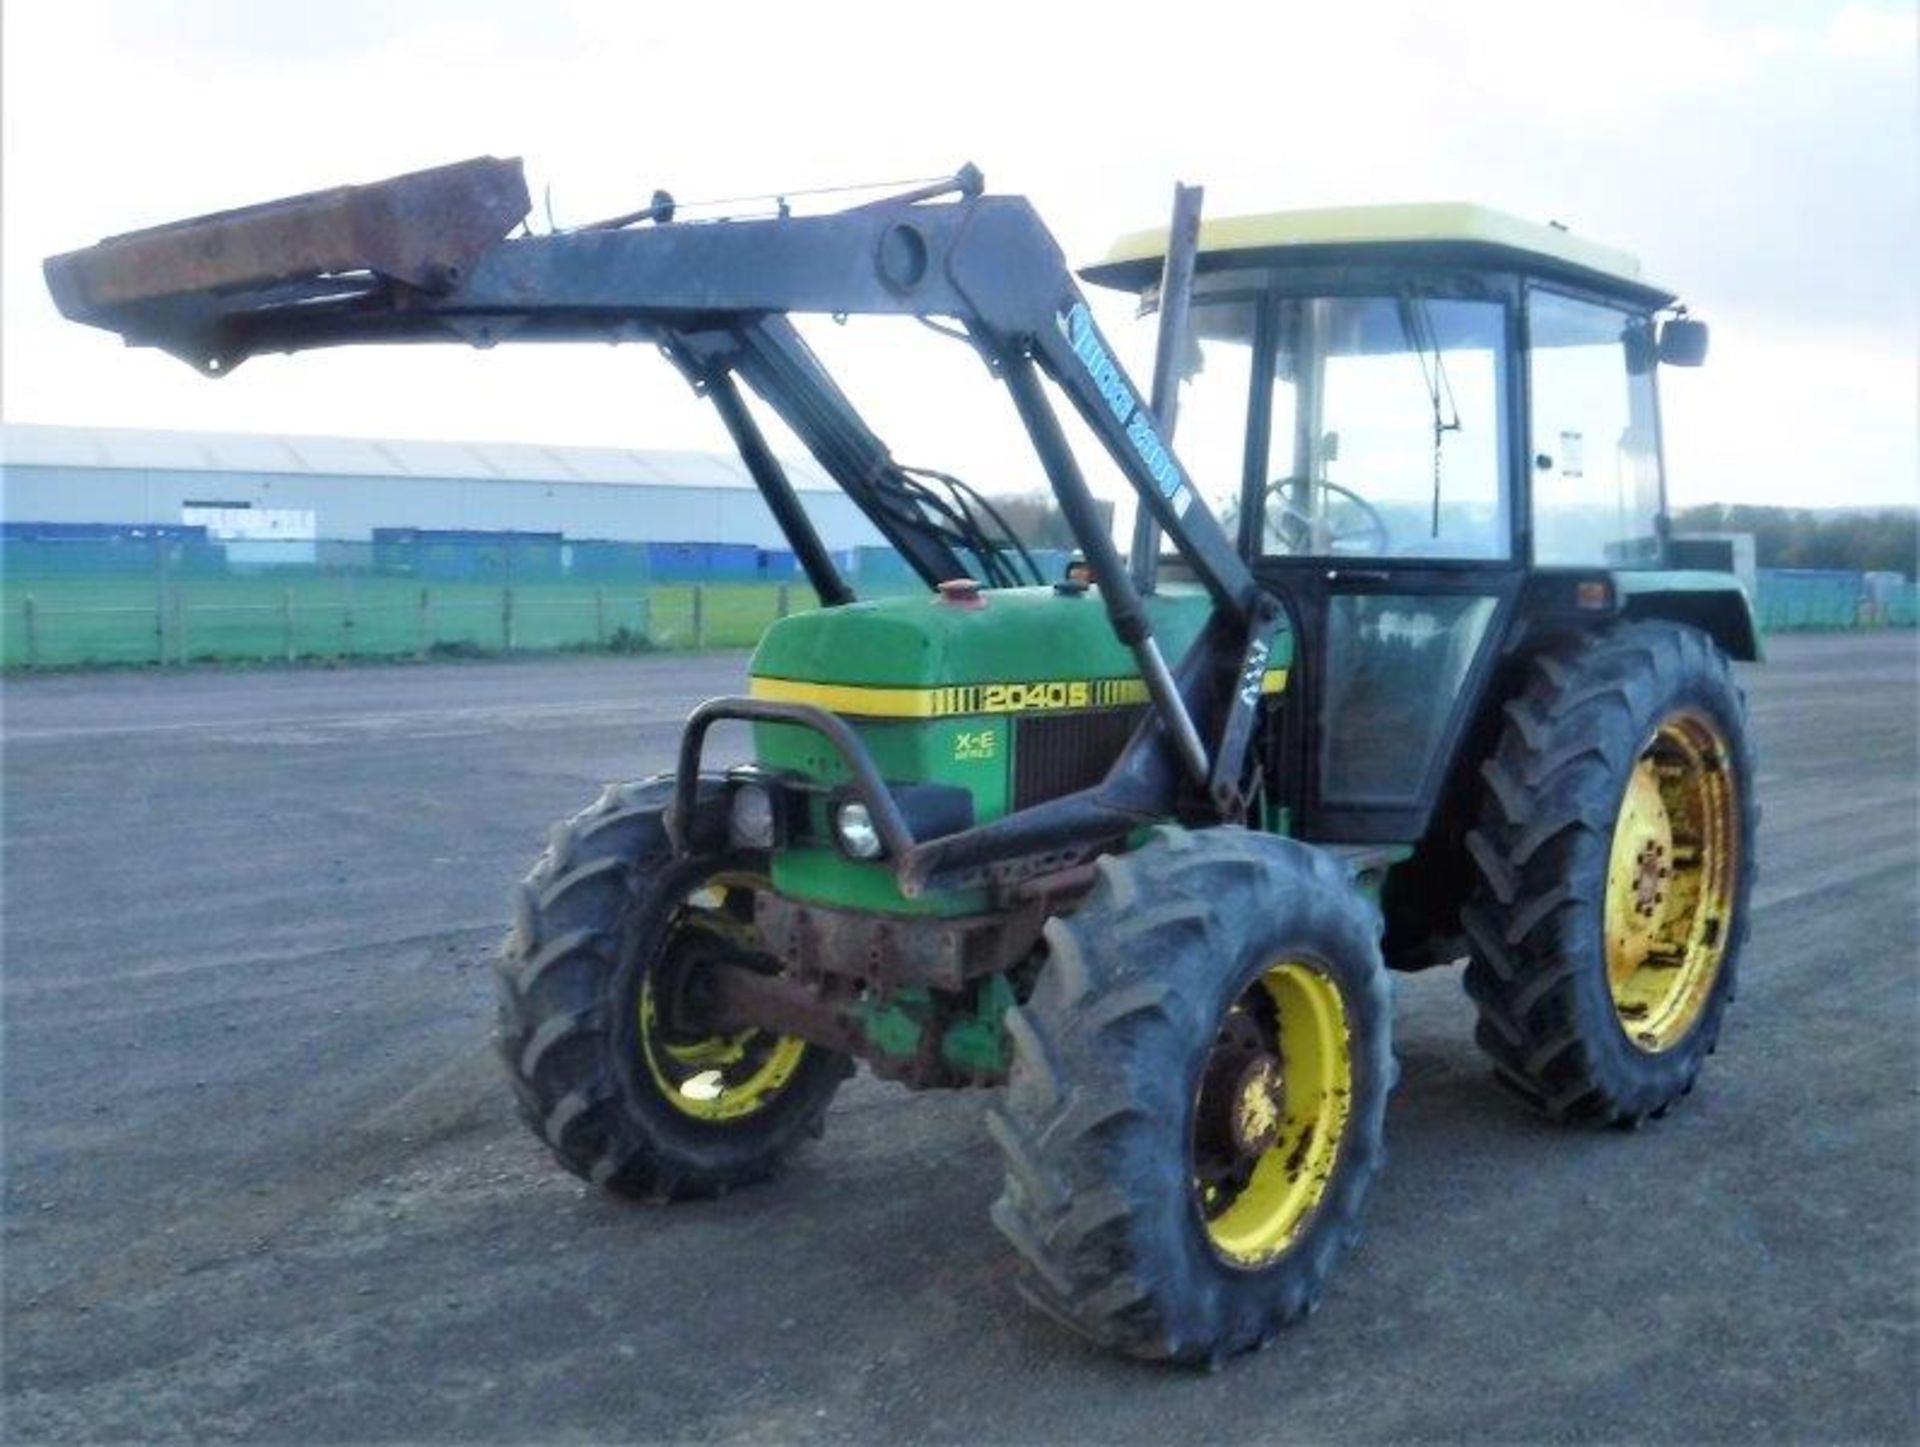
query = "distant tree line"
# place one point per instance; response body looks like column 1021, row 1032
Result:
column 1037, row 521
column 1860, row 540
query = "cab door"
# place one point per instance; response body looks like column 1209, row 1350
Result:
column 1395, row 661
column 1381, row 509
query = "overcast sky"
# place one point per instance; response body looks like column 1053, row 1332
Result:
column 1763, row 159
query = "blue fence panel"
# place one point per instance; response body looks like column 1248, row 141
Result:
column 1797, row 598
column 703, row 562
column 608, row 562
column 778, row 565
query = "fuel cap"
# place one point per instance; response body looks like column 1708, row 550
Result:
column 961, row 593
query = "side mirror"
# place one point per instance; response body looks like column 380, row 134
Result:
column 1683, row 342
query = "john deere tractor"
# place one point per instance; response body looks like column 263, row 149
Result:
column 1405, row 669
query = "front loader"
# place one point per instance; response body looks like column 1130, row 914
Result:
column 1139, row 843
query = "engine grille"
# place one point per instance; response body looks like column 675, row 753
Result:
column 1061, row 753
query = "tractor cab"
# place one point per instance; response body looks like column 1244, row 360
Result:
column 1358, row 384
column 1403, row 413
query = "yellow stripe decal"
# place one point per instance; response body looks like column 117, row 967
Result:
column 1049, row 695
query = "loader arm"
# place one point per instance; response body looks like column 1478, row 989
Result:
column 428, row 257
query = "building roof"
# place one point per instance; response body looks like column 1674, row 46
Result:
column 26, row 444
column 1132, row 260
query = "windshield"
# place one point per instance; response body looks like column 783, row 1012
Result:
column 1382, row 433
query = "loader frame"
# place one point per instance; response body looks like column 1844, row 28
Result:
column 428, row 257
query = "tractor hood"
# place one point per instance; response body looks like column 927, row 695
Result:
column 892, row 657
column 1015, row 695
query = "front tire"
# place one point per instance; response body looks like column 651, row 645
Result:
column 1615, row 859
column 1198, row 1093
column 609, row 932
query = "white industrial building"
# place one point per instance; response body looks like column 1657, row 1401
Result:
column 244, row 485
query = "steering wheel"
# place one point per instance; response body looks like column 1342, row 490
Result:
column 1298, row 530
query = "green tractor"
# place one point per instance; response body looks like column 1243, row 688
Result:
column 1407, row 669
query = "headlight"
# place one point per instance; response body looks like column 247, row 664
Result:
column 750, row 818
column 853, row 827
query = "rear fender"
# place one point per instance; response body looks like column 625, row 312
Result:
column 1715, row 603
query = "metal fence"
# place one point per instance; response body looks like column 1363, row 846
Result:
column 175, row 596
column 1796, row 599
column 174, row 599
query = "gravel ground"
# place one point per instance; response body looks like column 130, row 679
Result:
column 262, row 1179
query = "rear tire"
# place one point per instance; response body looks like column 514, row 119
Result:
column 1614, row 860
column 592, row 924
column 1105, row 1125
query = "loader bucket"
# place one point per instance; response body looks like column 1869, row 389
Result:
column 170, row 285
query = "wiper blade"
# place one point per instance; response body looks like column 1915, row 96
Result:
column 1417, row 321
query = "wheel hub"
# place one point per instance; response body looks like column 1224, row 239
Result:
column 1670, row 881
column 1258, row 1102
column 1240, row 1101
column 710, row 1075
column 1271, row 1113
column 682, row 987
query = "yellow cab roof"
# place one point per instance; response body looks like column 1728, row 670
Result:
column 1279, row 237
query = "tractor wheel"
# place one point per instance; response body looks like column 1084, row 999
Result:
column 1198, row 1088
column 609, row 935
column 1614, row 857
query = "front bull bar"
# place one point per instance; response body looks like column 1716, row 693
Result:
column 868, row 786
column 1041, row 839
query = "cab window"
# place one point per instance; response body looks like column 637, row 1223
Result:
column 1595, row 441
column 1387, row 439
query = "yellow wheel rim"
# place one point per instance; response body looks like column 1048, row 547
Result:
column 1670, row 879
column 1271, row 1113
column 719, row 1077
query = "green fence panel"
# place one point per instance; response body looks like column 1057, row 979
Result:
column 145, row 600
column 1792, row 600
column 167, row 600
